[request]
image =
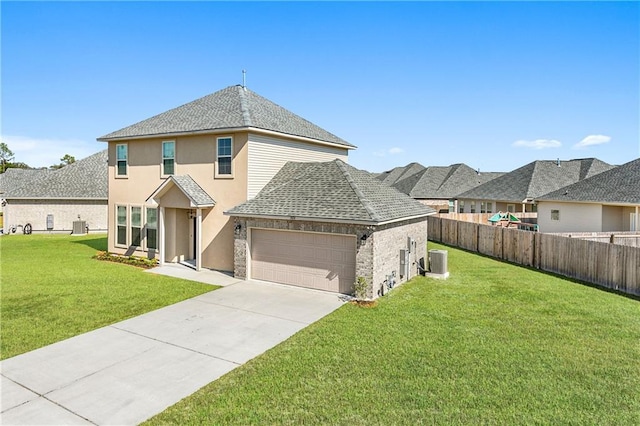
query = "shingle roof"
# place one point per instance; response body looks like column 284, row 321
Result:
column 13, row 178
column 193, row 191
column 330, row 191
column 618, row 185
column 535, row 179
column 234, row 107
column 437, row 182
column 396, row 174
column 84, row 179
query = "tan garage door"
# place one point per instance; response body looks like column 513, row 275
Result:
column 305, row 259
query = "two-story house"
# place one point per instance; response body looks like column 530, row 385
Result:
column 173, row 175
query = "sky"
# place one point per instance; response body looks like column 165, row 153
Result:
column 494, row 85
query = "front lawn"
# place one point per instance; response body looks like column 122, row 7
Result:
column 494, row 344
column 52, row 289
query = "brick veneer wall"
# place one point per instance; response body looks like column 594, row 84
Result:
column 387, row 240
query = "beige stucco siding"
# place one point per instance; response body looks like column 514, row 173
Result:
column 195, row 156
column 267, row 155
column 65, row 212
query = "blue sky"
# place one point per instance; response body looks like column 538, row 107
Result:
column 493, row 85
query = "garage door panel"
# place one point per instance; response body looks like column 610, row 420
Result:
column 320, row 261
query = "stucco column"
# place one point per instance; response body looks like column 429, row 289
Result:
column 161, row 250
column 198, row 237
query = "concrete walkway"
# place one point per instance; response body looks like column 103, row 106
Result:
column 127, row 372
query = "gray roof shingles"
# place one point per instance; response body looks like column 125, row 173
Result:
column 620, row 185
column 192, row 190
column 330, row 191
column 13, row 178
column 234, row 107
column 535, row 179
column 84, row 179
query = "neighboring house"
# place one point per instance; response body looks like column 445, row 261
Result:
column 324, row 225
column 436, row 186
column 609, row 201
column 516, row 191
column 172, row 176
column 51, row 200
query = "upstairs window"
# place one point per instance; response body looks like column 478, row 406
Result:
column 168, row 157
column 121, row 159
column 224, row 155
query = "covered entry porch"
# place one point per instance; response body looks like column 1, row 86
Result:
column 182, row 206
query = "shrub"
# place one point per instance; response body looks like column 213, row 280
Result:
column 137, row 261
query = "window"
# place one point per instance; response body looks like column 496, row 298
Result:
column 168, row 157
column 225, row 150
column 136, row 225
column 152, row 228
column 121, row 160
column 555, row 214
column 121, row 231
column 511, row 208
column 452, row 207
column 473, row 207
column 461, row 206
column 489, row 207
column 534, row 208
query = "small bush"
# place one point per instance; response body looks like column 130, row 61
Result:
column 139, row 262
column 361, row 288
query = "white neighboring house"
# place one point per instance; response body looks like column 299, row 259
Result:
column 51, row 200
column 606, row 202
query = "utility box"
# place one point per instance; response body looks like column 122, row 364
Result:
column 403, row 263
column 79, row 227
column 438, row 262
column 49, row 222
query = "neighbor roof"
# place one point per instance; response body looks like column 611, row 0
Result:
column 232, row 108
column 620, row 185
column 535, row 179
column 330, row 191
column 446, row 182
column 396, row 174
column 14, row 178
column 84, row 179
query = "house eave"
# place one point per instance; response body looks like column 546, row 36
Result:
column 224, row 131
column 326, row 220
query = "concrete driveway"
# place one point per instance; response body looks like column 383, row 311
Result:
column 129, row 371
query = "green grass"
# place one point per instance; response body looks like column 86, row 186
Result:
column 494, row 344
column 52, row 289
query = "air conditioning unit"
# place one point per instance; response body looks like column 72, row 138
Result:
column 438, row 262
column 79, row 227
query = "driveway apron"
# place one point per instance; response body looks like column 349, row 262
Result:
column 127, row 372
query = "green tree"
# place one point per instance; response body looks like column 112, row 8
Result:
column 6, row 156
column 68, row 159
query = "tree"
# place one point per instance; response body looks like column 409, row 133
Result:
column 66, row 160
column 6, row 156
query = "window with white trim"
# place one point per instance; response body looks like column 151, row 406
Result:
column 136, row 226
column 224, row 156
column 121, row 159
column 555, row 214
column 168, row 157
column 461, row 206
column 473, row 207
column 121, row 225
column 152, row 228
column 489, row 207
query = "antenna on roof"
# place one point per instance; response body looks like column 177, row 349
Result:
column 244, row 79
column 558, row 162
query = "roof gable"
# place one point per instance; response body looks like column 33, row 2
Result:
column 196, row 196
column 234, row 107
column 618, row 185
column 330, row 191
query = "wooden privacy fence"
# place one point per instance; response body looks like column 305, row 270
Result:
column 608, row 265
